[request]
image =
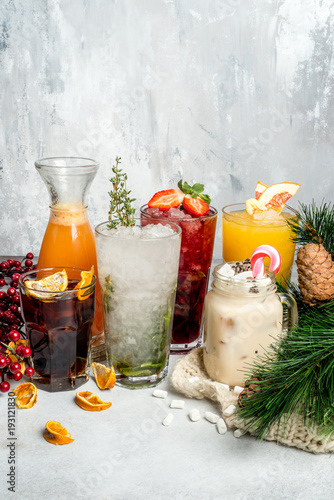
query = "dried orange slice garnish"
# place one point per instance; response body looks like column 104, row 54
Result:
column 104, row 377
column 253, row 206
column 13, row 357
column 273, row 197
column 26, row 395
column 56, row 282
column 276, row 195
column 55, row 433
column 90, row 402
column 86, row 279
column 12, row 345
column 260, row 187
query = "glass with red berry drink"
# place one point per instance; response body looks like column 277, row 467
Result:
column 191, row 210
column 58, row 310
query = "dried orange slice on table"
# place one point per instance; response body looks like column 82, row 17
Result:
column 26, row 395
column 86, row 279
column 104, row 377
column 90, row 402
column 55, row 433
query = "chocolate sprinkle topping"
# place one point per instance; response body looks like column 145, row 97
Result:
column 240, row 267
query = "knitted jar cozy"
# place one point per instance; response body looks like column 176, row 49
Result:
column 190, row 378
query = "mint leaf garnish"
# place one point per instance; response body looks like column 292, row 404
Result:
column 206, row 198
column 184, row 187
column 198, row 188
column 195, row 191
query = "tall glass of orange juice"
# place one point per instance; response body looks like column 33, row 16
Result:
column 243, row 233
column 69, row 240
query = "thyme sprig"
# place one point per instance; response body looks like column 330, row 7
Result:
column 121, row 212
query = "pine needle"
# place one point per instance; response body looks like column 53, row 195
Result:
column 296, row 377
column 315, row 225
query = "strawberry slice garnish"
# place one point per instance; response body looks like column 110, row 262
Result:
column 195, row 206
column 169, row 198
column 194, row 201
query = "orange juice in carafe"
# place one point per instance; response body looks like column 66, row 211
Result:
column 69, row 240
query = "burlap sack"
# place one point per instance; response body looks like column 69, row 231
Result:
column 190, row 378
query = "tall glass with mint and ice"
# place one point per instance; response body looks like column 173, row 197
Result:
column 138, row 269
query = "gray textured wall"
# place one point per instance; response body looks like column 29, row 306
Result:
column 220, row 91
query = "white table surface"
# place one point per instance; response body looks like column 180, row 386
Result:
column 126, row 453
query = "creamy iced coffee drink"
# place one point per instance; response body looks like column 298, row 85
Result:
column 243, row 316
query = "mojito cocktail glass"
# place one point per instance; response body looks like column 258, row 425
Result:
column 138, row 269
column 243, row 233
column 198, row 236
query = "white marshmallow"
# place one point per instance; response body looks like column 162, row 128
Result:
column 158, row 393
column 243, row 276
column 237, row 390
column 221, row 426
column 177, row 403
column 229, row 411
column 211, row 417
column 194, row 415
column 168, row 420
column 238, row 433
column 226, row 271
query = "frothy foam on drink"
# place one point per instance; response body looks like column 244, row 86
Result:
column 68, row 215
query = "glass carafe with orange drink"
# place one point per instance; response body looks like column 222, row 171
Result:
column 69, row 240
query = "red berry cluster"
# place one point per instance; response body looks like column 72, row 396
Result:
column 12, row 369
column 14, row 268
column 11, row 321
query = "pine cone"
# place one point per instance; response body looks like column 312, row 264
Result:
column 251, row 386
column 315, row 274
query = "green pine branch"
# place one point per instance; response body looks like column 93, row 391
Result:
column 315, row 225
column 295, row 377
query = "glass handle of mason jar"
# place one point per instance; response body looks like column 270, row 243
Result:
column 290, row 319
